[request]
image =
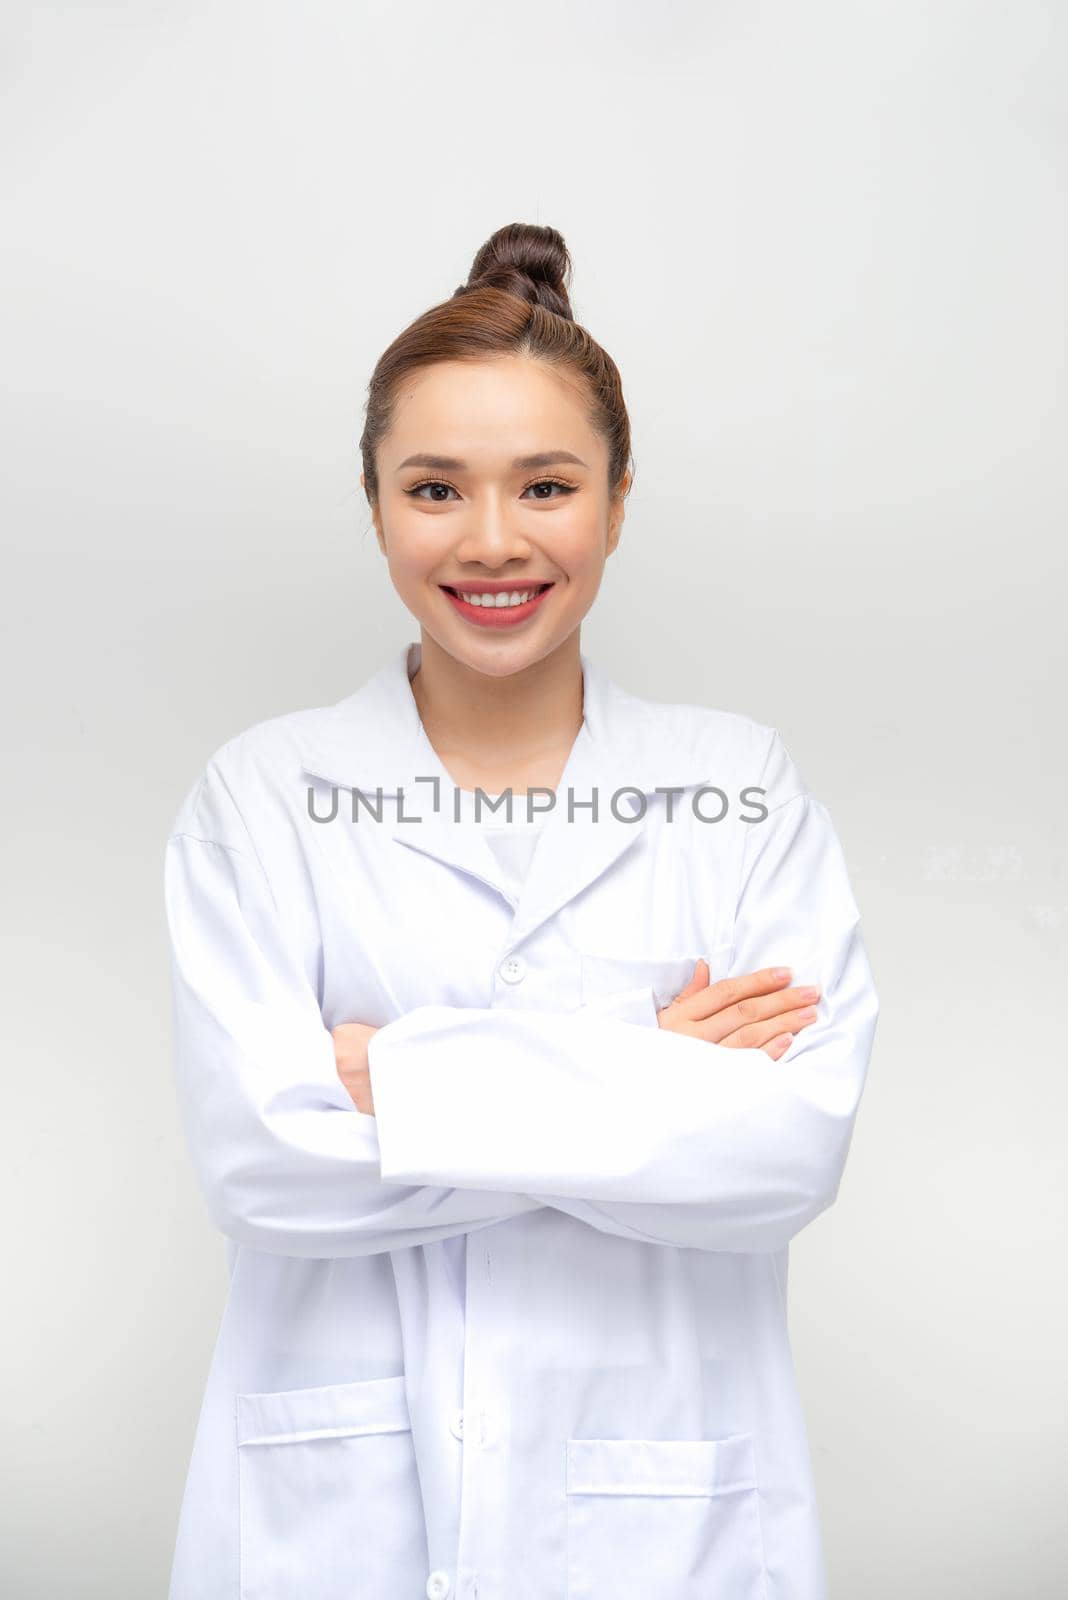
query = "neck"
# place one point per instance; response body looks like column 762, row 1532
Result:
column 489, row 726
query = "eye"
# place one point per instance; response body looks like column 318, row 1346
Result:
column 442, row 483
column 550, row 483
column 428, row 483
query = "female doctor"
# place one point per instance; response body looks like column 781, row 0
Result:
column 520, row 1024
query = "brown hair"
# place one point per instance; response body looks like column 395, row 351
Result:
column 515, row 302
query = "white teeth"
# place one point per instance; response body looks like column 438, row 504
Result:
column 517, row 597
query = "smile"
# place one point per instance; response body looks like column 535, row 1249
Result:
column 494, row 610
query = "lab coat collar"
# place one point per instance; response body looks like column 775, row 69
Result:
column 626, row 749
column 374, row 738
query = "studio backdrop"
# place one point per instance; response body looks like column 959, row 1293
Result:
column 826, row 246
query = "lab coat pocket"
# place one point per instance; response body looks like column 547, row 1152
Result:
column 635, row 989
column 663, row 1519
column 329, row 1493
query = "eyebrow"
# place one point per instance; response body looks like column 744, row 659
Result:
column 545, row 458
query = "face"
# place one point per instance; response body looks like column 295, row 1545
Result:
column 492, row 520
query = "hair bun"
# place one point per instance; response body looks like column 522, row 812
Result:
column 515, row 303
column 528, row 261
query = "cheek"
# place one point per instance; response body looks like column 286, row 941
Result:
column 410, row 560
column 581, row 554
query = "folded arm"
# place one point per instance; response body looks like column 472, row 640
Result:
column 285, row 1161
column 643, row 1132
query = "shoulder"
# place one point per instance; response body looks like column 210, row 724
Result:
column 731, row 748
column 254, row 772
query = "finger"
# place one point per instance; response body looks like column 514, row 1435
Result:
column 778, row 1047
column 755, row 1035
column 764, row 1008
column 698, row 982
column 728, row 991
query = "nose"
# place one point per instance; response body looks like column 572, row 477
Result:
column 491, row 538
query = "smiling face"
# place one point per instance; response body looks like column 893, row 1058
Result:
column 492, row 483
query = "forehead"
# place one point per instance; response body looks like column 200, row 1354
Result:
column 490, row 409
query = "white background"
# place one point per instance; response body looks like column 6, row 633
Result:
column 826, row 245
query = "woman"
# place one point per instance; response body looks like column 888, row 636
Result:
column 508, row 1120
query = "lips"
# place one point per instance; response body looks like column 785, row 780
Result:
column 495, row 590
column 495, row 616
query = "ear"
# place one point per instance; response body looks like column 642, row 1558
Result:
column 617, row 513
column 374, row 517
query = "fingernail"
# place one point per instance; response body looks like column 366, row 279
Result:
column 811, row 992
column 781, row 972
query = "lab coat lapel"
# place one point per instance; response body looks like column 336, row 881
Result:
column 375, row 741
column 579, row 840
column 625, row 749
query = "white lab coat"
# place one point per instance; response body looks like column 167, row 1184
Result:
column 522, row 1334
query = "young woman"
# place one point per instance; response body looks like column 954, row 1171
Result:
column 508, row 1109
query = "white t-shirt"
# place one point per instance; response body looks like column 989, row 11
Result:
column 513, row 844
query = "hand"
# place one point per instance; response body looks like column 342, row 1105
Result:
column 755, row 1011
column 350, row 1055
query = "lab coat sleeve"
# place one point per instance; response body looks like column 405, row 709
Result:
column 285, row 1161
column 639, row 1131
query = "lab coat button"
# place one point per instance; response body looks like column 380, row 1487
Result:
column 513, row 970
column 438, row 1586
column 456, row 1425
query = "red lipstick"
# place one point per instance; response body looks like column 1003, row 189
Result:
column 496, row 616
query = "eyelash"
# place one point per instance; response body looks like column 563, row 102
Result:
column 560, row 483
